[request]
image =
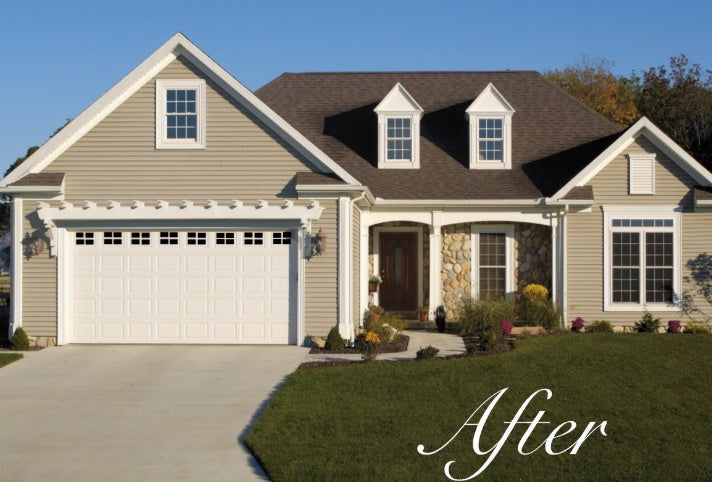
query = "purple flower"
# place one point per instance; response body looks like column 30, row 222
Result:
column 577, row 324
column 506, row 327
column 674, row 326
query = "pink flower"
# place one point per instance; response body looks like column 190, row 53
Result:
column 577, row 324
column 506, row 327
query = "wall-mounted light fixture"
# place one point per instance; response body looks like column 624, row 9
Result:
column 320, row 243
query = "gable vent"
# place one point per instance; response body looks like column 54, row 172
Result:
column 642, row 174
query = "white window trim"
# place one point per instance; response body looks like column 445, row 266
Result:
column 162, row 142
column 506, row 162
column 641, row 212
column 640, row 157
column 383, row 161
column 508, row 231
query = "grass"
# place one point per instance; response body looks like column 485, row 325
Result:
column 7, row 358
column 364, row 422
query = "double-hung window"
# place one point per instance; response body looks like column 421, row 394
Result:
column 490, row 139
column 180, row 114
column 642, row 261
column 492, row 255
column 399, row 139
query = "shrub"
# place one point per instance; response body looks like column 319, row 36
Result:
column 600, row 326
column 334, row 342
column 695, row 328
column 427, row 353
column 481, row 318
column 506, row 327
column 674, row 326
column 386, row 327
column 541, row 312
column 577, row 324
column 647, row 324
column 535, row 292
column 20, row 340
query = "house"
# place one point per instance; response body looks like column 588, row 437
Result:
column 181, row 207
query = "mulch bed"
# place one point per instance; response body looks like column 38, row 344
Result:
column 397, row 345
column 506, row 343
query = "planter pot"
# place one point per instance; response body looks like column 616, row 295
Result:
column 373, row 287
column 424, row 318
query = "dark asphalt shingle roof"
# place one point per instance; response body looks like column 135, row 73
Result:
column 307, row 178
column 553, row 135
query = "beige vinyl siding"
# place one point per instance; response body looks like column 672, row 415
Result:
column 39, row 280
column 696, row 240
column 117, row 160
column 356, row 265
column 673, row 187
column 321, row 272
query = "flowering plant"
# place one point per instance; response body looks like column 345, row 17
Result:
column 535, row 292
column 577, row 324
column 376, row 310
column 506, row 327
column 368, row 345
column 375, row 279
column 674, row 326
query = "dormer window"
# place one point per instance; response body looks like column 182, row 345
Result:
column 398, row 130
column 180, row 114
column 399, row 139
column 490, row 117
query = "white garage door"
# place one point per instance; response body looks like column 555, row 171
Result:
column 181, row 287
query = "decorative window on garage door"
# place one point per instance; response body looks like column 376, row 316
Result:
column 84, row 239
column 112, row 237
column 169, row 237
column 224, row 238
column 141, row 239
column 197, row 239
column 253, row 238
column 284, row 237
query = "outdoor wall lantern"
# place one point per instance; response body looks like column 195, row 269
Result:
column 320, row 243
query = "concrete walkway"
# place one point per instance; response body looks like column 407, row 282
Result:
column 86, row 413
column 447, row 344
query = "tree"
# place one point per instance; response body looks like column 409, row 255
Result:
column 591, row 81
column 679, row 101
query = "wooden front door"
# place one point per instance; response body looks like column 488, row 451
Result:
column 399, row 269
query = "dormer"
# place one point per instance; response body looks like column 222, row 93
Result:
column 398, row 130
column 490, row 117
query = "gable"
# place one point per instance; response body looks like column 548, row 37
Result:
column 117, row 159
column 176, row 46
column 673, row 185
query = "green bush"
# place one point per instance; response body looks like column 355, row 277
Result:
column 334, row 342
column 427, row 353
column 647, row 324
column 20, row 340
column 540, row 312
column 396, row 322
column 600, row 326
column 696, row 328
column 481, row 318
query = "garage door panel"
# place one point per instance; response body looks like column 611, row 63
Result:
column 233, row 292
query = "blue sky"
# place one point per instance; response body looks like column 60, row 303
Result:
column 60, row 56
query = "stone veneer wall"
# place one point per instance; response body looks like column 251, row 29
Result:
column 532, row 255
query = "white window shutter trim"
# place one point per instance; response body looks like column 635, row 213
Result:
column 642, row 174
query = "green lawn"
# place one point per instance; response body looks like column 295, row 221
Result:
column 364, row 422
column 7, row 358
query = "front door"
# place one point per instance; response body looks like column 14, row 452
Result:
column 399, row 270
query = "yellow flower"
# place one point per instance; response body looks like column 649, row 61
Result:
column 372, row 337
column 534, row 291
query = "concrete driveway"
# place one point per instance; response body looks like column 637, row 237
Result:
column 136, row 412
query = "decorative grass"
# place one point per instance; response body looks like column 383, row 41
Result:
column 364, row 421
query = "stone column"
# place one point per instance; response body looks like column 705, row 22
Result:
column 435, row 262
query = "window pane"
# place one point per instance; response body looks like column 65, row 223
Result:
column 626, row 272
column 659, row 267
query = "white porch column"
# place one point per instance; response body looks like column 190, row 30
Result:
column 16, row 267
column 435, row 262
column 364, row 271
column 345, row 313
column 558, row 263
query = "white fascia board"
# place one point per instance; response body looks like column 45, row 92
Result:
column 178, row 44
column 32, row 189
column 334, row 189
column 643, row 127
